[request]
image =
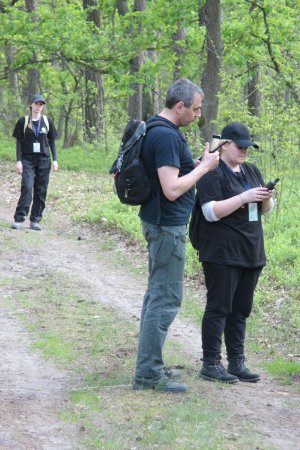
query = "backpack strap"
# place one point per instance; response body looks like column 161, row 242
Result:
column 46, row 121
column 26, row 122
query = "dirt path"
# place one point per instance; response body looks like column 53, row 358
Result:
column 33, row 390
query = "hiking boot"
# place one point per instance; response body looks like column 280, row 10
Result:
column 237, row 367
column 17, row 225
column 215, row 371
column 35, row 226
column 164, row 384
column 171, row 373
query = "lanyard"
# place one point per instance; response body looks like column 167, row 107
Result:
column 36, row 129
column 241, row 179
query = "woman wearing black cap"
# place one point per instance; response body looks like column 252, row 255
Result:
column 34, row 135
column 231, row 249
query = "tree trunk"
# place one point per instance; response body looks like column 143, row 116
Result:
column 94, row 122
column 139, row 104
column 122, row 7
column 253, row 93
column 153, row 105
column 94, row 115
column 13, row 84
column 135, row 105
column 254, row 97
column 33, row 74
column 179, row 49
column 210, row 17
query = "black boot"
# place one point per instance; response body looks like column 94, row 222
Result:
column 237, row 367
column 215, row 371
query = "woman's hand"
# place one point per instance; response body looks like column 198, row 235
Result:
column 223, row 208
column 258, row 194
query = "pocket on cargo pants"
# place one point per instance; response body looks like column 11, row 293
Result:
column 170, row 246
column 164, row 243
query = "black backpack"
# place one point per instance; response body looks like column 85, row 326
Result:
column 194, row 225
column 196, row 216
column 132, row 184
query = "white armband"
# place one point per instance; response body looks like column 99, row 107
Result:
column 208, row 211
column 271, row 207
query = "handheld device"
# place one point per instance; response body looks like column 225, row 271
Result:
column 214, row 149
column 215, row 145
column 271, row 184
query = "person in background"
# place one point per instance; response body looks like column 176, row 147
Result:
column 167, row 158
column 232, row 199
column 33, row 140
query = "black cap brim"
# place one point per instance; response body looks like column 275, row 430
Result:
column 246, row 143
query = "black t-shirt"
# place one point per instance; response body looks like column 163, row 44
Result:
column 40, row 134
column 232, row 240
column 164, row 146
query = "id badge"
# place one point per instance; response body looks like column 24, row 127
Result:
column 253, row 214
column 36, row 147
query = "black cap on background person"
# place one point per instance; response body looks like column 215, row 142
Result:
column 37, row 98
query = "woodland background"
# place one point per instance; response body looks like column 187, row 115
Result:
column 99, row 63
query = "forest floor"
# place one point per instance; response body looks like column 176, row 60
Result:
column 34, row 390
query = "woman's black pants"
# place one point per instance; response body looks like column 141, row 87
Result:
column 230, row 292
column 35, row 178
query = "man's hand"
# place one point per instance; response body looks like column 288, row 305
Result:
column 19, row 167
column 55, row 166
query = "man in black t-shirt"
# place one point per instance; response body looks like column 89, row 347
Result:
column 167, row 157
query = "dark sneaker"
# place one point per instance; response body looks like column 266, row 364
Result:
column 215, row 371
column 35, row 226
column 163, row 384
column 237, row 367
column 174, row 374
column 17, row 225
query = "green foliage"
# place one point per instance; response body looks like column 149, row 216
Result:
column 112, row 213
column 85, row 157
column 55, row 346
column 284, row 368
column 255, row 36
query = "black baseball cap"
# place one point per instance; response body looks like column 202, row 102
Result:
column 37, row 98
column 239, row 134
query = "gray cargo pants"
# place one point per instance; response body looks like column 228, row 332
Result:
column 162, row 300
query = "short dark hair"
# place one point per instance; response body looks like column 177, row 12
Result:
column 182, row 90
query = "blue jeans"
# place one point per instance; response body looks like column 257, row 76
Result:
column 35, row 178
column 162, row 300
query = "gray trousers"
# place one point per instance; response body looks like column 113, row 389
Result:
column 162, row 300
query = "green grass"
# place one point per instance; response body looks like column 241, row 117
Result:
column 93, row 158
column 54, row 345
column 287, row 370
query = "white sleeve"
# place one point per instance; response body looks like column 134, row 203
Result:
column 208, row 211
column 270, row 209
